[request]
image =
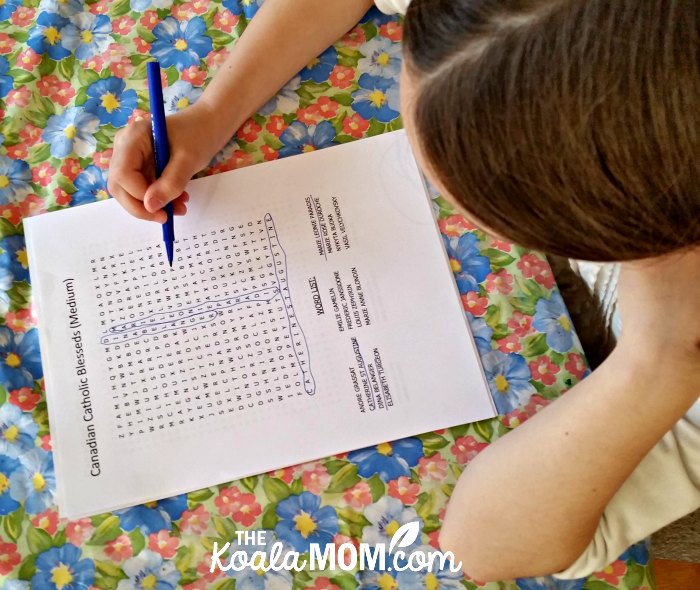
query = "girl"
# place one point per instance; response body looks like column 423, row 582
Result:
column 569, row 126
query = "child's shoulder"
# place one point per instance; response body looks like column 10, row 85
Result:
column 392, row 6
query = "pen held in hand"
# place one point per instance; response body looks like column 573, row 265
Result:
column 160, row 147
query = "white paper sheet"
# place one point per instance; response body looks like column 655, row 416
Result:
column 310, row 311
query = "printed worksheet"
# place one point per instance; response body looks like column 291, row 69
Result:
column 310, row 310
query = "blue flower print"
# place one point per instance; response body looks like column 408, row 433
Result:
column 435, row 577
column 6, row 282
column 386, row 516
column 180, row 44
column 299, row 138
column 552, row 318
column 468, row 265
column 154, row 516
column 62, row 7
column 248, row 8
column 377, row 17
column 34, row 481
column 61, row 568
column 149, row 570
column 382, row 57
column 15, row 177
column 285, row 101
column 377, row 97
column 258, row 579
column 390, row 460
column 17, row 431
column 91, row 186
column 109, row 100
column 7, row 8
column 6, row 82
column 509, row 379
column 20, row 360
column 638, row 553
column 87, row 34
column 71, row 131
column 320, row 67
column 377, row 578
column 303, row 521
column 47, row 35
column 143, row 5
column 179, row 96
column 549, row 583
column 8, row 465
column 481, row 332
column 13, row 256
column 16, row 585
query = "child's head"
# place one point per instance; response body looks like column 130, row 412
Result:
column 569, row 126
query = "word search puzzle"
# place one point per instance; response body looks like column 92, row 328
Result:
column 305, row 314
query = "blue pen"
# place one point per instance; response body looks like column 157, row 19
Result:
column 160, row 146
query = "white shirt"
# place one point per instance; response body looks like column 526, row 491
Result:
column 664, row 487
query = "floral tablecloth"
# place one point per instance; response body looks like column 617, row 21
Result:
column 71, row 74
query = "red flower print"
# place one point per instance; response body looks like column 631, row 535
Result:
column 182, row 12
column 28, row 59
column 454, row 226
column 94, row 63
column 286, row 474
column 203, row 570
column 43, row 174
column 355, row 37
column 215, row 58
column 225, row 20
column 310, row 115
column 18, row 151
column 501, row 245
column 327, row 107
column 403, row 489
column 198, row 585
column 123, row 25
column 141, row 45
column 276, row 125
column 6, row 43
column 474, row 303
column 78, row 531
column 501, row 282
column 195, row 521
column 24, row 398
column 163, row 544
column 194, row 76
column 268, row 153
column 10, row 212
column 61, row 196
column 466, row 448
column 339, row 540
column 47, row 520
column 544, row 370
column 63, row 93
column 316, row 479
column 355, row 125
column 510, row 343
column 240, row 159
column 434, row 467
column 227, row 500
column 46, row 442
column 198, row 6
column 119, row 549
column 358, row 496
column 9, row 558
column 391, row 30
column 138, row 115
column 612, row 573
column 19, row 97
column 101, row 159
column 249, row 131
column 100, row 7
column 23, row 16
column 529, row 265
column 122, row 68
column 247, row 510
column 342, row 77
column 32, row 205
column 30, row 134
column 323, row 583
column 520, row 323
column 149, row 19
column 575, row 365
column 20, row 320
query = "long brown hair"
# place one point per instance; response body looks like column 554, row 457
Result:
column 569, row 126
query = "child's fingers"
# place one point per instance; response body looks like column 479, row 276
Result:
column 135, row 206
column 169, row 186
column 180, row 204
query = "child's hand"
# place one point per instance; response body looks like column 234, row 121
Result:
column 132, row 175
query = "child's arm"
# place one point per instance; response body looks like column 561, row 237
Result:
column 282, row 38
column 530, row 503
